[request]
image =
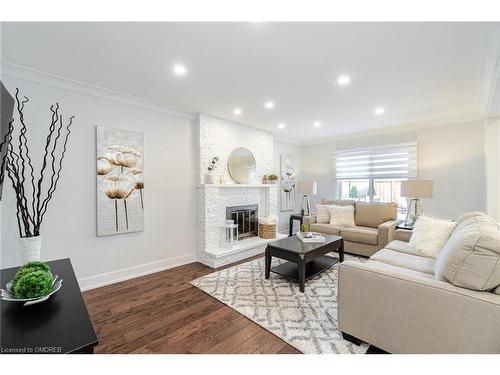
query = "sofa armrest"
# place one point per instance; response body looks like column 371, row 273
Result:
column 403, row 235
column 405, row 311
column 309, row 219
column 386, row 233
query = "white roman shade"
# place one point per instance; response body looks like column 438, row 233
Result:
column 388, row 161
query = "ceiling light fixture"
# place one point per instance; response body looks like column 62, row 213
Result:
column 237, row 111
column 379, row 111
column 317, row 124
column 343, row 80
column 281, row 126
column 269, row 105
column 179, row 69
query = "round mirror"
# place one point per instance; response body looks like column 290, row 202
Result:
column 242, row 165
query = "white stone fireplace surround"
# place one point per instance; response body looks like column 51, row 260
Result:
column 212, row 203
column 218, row 137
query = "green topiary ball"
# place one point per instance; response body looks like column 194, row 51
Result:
column 28, row 268
column 33, row 285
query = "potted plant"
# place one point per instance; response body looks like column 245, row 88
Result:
column 34, row 189
column 304, row 228
column 209, row 178
column 272, row 179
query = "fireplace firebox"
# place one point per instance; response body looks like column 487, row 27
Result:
column 247, row 218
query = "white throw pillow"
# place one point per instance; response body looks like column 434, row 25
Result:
column 430, row 235
column 323, row 213
column 342, row 216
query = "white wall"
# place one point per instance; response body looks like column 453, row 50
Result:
column 69, row 227
column 452, row 156
column 218, row 137
column 281, row 148
column 492, row 152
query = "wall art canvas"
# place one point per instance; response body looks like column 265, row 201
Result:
column 120, row 181
column 287, row 183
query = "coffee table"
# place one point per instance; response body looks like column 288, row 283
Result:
column 305, row 260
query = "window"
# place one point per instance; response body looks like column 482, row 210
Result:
column 375, row 174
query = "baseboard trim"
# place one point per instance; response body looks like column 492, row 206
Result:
column 92, row 282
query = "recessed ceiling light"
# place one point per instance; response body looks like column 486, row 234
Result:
column 179, row 69
column 281, row 126
column 317, row 124
column 237, row 111
column 343, row 80
column 269, row 105
column 379, row 111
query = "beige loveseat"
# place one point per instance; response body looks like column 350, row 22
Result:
column 403, row 301
column 375, row 226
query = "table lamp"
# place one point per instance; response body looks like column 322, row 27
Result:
column 307, row 188
column 415, row 189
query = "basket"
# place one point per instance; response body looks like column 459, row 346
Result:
column 267, row 231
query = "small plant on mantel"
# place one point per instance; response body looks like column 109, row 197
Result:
column 33, row 193
column 272, row 178
column 212, row 166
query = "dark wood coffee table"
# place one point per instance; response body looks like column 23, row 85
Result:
column 305, row 260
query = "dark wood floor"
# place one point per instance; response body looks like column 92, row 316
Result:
column 163, row 313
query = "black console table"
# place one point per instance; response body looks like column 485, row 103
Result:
column 59, row 325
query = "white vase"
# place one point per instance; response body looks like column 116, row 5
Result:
column 30, row 248
column 209, row 179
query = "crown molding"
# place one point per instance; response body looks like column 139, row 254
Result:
column 402, row 128
column 37, row 76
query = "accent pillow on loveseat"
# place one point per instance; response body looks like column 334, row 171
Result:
column 342, row 216
column 430, row 235
column 323, row 213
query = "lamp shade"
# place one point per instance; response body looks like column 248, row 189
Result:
column 307, row 187
column 416, row 189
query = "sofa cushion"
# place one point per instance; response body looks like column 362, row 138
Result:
column 374, row 214
column 338, row 202
column 360, row 234
column 468, row 215
column 324, row 228
column 471, row 256
column 408, row 261
column 404, row 247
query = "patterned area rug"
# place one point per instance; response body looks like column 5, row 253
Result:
column 307, row 321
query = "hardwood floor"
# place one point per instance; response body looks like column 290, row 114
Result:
column 163, row 313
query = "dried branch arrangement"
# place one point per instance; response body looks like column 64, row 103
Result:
column 33, row 190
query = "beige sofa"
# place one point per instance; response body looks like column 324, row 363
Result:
column 375, row 226
column 403, row 301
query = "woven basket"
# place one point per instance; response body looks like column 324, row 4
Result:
column 267, row 231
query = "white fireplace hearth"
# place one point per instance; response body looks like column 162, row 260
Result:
column 213, row 201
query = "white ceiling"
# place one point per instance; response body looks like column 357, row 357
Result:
column 419, row 72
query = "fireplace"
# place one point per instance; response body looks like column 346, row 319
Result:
column 247, row 219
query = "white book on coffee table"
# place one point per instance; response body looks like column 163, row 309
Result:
column 314, row 237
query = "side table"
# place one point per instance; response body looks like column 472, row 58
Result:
column 295, row 217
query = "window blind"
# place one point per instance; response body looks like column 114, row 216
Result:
column 388, row 161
